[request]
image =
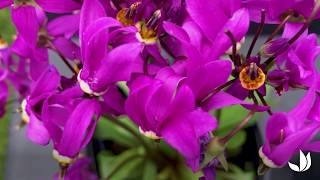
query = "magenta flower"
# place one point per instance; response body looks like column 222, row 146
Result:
column 297, row 66
column 31, row 108
column 100, row 68
column 70, row 124
column 165, row 108
column 35, row 36
column 287, row 133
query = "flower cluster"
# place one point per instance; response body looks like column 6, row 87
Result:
column 180, row 61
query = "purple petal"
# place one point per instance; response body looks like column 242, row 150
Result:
column 48, row 81
column 204, row 79
column 113, row 100
column 25, row 20
column 186, row 140
column 302, row 109
column 276, row 123
column 66, row 26
column 202, row 11
column 94, row 42
column 58, row 6
column 67, row 48
column 37, row 132
column 176, row 31
column 159, row 105
column 237, row 90
column 20, row 47
column 5, row 3
column 223, row 99
column 140, row 92
column 117, row 66
column 291, row 29
column 282, row 153
column 74, row 133
column 91, row 10
column 238, row 25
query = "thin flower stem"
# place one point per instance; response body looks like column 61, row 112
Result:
column 306, row 24
column 63, row 171
column 258, row 33
column 279, row 27
column 129, row 129
column 219, row 113
column 216, row 90
column 234, row 48
column 241, row 125
column 264, row 102
column 66, row 62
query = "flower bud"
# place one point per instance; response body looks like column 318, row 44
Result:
column 274, row 48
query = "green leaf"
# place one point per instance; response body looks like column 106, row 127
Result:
column 230, row 117
column 4, row 133
column 237, row 141
column 149, row 170
column 165, row 174
column 223, row 161
column 235, row 173
column 123, row 86
column 7, row 30
column 168, row 150
column 186, row 173
column 119, row 167
column 107, row 130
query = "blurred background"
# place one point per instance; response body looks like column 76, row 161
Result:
column 22, row 160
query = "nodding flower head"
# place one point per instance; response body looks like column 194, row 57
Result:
column 274, row 48
column 126, row 15
column 147, row 32
column 252, row 77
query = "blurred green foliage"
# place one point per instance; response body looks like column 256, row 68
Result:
column 129, row 160
column 7, row 30
column 4, row 126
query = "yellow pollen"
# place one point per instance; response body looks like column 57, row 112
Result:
column 121, row 17
column 146, row 35
column 125, row 15
column 251, row 84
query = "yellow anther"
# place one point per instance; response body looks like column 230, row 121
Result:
column 121, row 17
column 145, row 34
